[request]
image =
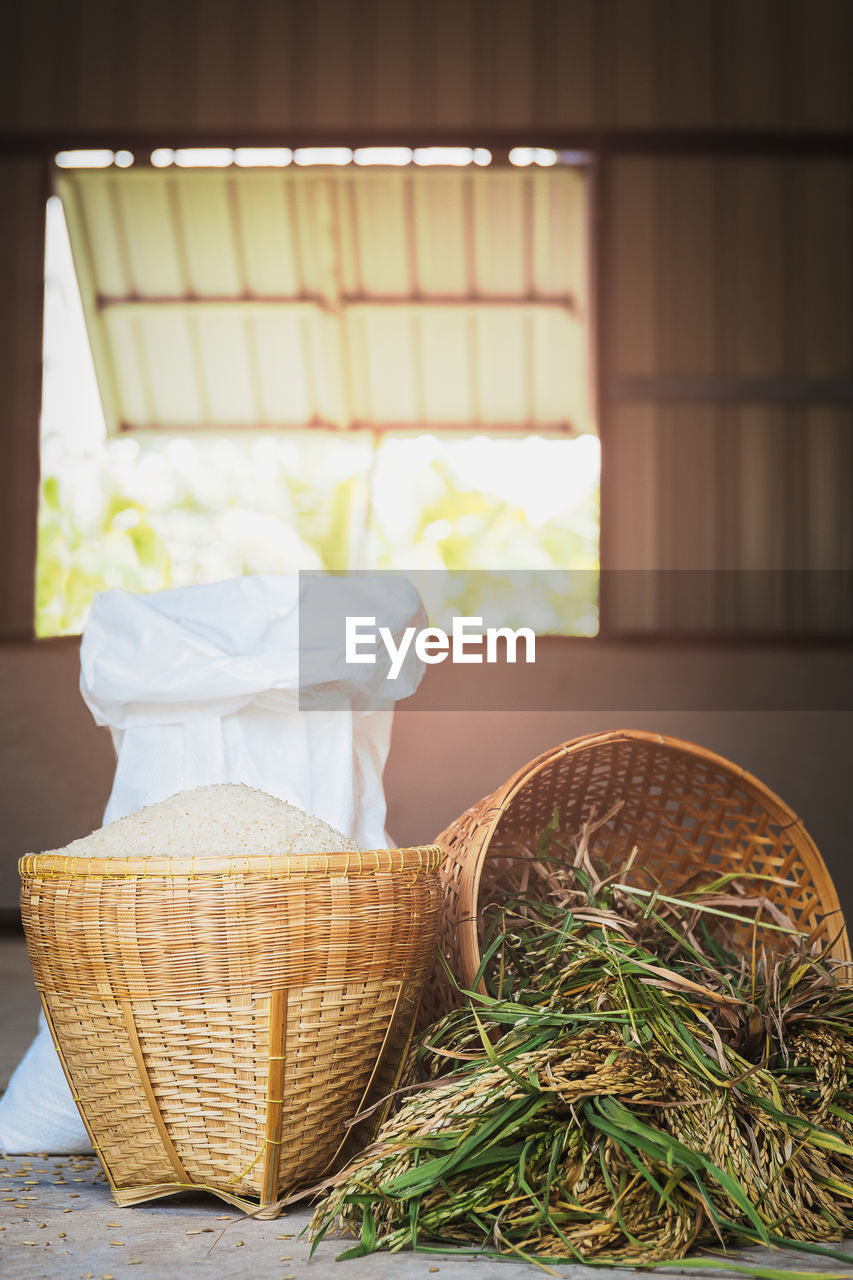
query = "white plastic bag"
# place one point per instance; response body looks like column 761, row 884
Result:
column 200, row 685
column 37, row 1112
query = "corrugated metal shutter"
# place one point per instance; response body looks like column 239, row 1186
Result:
column 23, row 189
column 349, row 298
column 729, row 362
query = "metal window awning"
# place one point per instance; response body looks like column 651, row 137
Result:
column 352, row 298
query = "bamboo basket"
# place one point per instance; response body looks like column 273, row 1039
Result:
column 221, row 1021
column 691, row 813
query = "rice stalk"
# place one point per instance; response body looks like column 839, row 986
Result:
column 634, row 1082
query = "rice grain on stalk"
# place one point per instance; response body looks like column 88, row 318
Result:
column 637, row 1079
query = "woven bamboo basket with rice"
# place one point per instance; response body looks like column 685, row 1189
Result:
column 691, row 814
column 221, row 1021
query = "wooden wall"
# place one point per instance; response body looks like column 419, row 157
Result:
column 728, row 381
column 173, row 66
column 23, row 192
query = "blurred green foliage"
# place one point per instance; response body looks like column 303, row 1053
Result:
column 146, row 515
column 74, row 562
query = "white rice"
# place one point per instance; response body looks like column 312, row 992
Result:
column 225, row 820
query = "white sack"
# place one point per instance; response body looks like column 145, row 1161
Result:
column 200, row 685
column 37, row 1112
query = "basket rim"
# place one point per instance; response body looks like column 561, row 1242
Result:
column 412, row 860
column 501, row 798
column 497, row 803
column 573, row 745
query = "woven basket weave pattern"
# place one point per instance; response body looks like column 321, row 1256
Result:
column 690, row 813
column 221, row 1023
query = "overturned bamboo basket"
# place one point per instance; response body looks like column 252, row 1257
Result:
column 221, row 1021
column 692, row 814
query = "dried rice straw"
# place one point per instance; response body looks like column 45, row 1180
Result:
column 646, row 1073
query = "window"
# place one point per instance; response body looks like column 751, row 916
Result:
column 253, row 365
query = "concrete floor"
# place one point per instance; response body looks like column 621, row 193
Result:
column 58, row 1220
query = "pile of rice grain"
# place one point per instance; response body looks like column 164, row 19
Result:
column 225, row 820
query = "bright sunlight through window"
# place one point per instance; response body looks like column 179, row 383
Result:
column 146, row 510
